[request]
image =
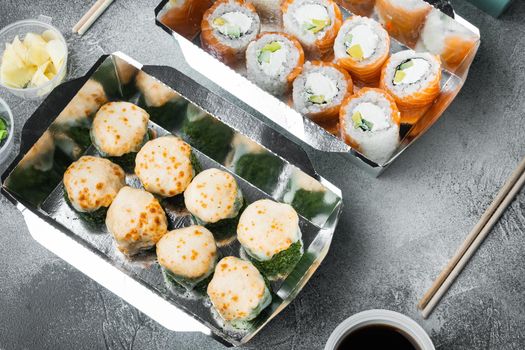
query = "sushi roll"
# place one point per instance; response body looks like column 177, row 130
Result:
column 403, row 19
column 269, row 233
column 136, row 220
column 358, row 7
column 314, row 23
column 165, row 166
column 320, row 89
column 273, row 61
column 119, row 128
column 187, row 255
column 184, row 16
column 370, row 124
column 412, row 78
column 443, row 36
column 227, row 29
column 238, row 291
column 92, row 183
column 362, row 47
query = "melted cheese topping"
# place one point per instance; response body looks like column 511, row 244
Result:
column 164, row 166
column 85, row 103
column 308, row 12
column 319, row 85
column 92, row 183
column 266, row 228
column 373, row 114
column 365, row 37
column 136, row 220
column 415, row 72
column 156, row 93
column 188, row 252
column 237, row 289
column 275, row 63
column 211, row 196
column 119, row 128
column 232, row 23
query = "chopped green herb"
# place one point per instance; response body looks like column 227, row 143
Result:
column 3, row 124
column 3, row 129
column 360, row 123
column 319, row 99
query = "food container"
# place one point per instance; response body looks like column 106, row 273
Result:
column 55, row 136
column 21, row 28
column 303, row 131
column 6, row 144
column 380, row 317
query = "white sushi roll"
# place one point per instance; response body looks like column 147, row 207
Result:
column 314, row 23
column 269, row 233
column 412, row 78
column 164, row 166
column 320, row 89
column 362, row 46
column 238, row 291
column 188, row 254
column 273, row 61
column 156, row 93
column 227, row 28
column 92, row 183
column 212, row 196
column 369, row 122
column 136, row 220
column 119, row 128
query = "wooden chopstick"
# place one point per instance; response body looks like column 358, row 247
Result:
column 87, row 15
column 474, row 239
column 94, row 16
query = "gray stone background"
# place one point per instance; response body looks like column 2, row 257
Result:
column 395, row 235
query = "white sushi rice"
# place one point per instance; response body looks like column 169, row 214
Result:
column 248, row 22
column 328, row 79
column 424, row 71
column 300, row 13
column 381, row 141
column 272, row 76
column 367, row 33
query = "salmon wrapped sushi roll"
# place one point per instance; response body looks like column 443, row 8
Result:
column 362, row 47
column 369, row 122
column 227, row 29
column 273, row 62
column 358, row 7
column 320, row 89
column 185, row 16
column 314, row 23
column 443, row 36
column 403, row 19
column 412, row 78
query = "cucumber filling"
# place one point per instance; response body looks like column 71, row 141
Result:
column 320, row 89
column 313, row 18
column 232, row 24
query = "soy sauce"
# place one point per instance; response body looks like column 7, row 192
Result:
column 377, row 337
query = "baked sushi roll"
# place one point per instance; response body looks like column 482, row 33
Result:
column 238, row 291
column 227, row 29
column 162, row 103
column 445, row 37
column 91, row 184
column 136, row 220
column 403, row 19
column 273, row 61
column 187, row 255
column 370, row 124
column 362, row 46
column 358, row 7
column 184, row 16
column 165, row 166
column 412, row 78
column 269, row 233
column 314, row 23
column 320, row 89
column 212, row 196
column 120, row 129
